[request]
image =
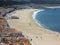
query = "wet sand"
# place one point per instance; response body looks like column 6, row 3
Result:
column 27, row 25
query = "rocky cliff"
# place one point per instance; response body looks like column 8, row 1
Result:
column 13, row 2
column 46, row 1
column 33, row 1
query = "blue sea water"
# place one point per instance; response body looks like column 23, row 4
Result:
column 49, row 18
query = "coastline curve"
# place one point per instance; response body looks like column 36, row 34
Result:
column 49, row 21
column 34, row 16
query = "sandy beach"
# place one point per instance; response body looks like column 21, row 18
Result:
column 27, row 25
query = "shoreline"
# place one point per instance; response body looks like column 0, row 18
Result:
column 38, row 23
column 34, row 17
column 27, row 25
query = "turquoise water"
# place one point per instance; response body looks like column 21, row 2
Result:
column 49, row 18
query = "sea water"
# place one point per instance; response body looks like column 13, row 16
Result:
column 49, row 18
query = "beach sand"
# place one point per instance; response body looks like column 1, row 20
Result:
column 27, row 25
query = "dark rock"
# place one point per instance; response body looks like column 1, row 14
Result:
column 5, row 35
column 16, row 35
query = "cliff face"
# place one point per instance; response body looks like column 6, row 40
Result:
column 13, row 2
column 16, row 0
column 22, row 0
column 36, row 1
column 46, row 1
column 42, row 1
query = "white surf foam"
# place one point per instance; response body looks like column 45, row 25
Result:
column 36, row 21
column 35, row 14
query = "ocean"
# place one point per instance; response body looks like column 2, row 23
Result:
column 48, row 18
